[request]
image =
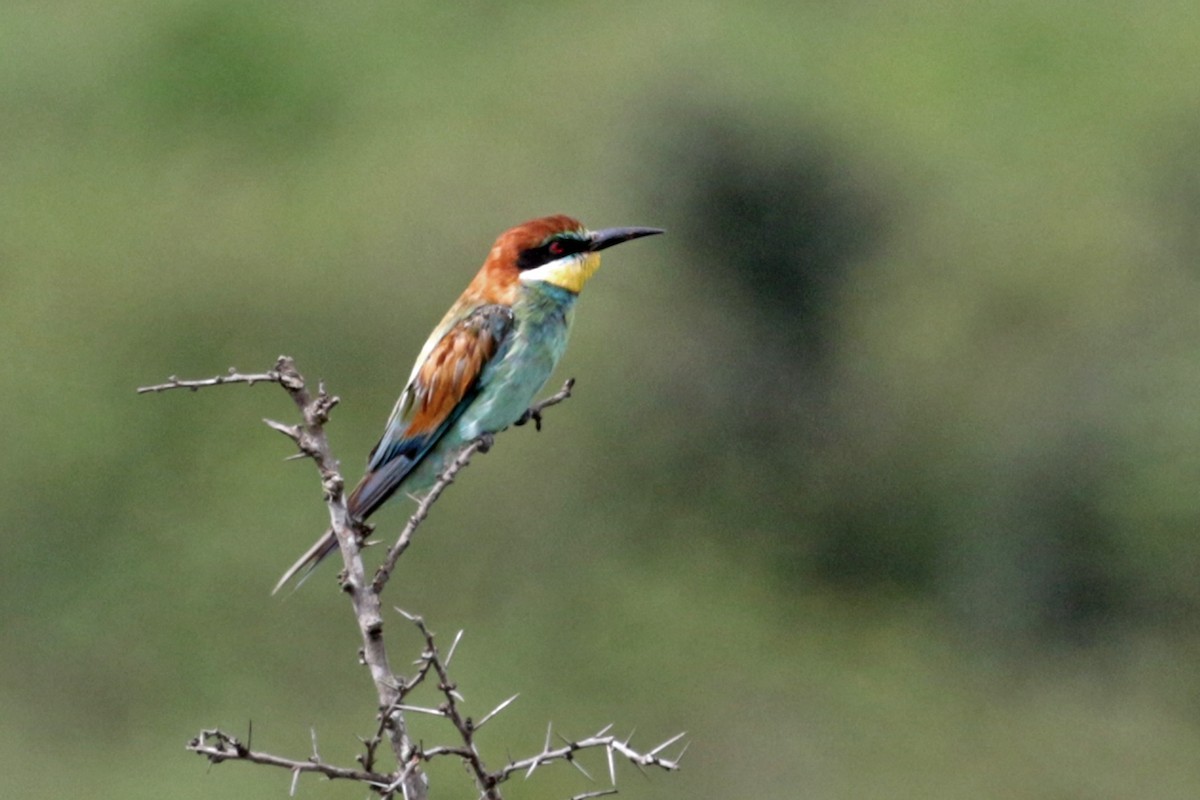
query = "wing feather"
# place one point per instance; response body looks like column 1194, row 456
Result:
column 443, row 385
column 441, row 388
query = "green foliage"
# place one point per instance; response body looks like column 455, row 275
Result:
column 881, row 476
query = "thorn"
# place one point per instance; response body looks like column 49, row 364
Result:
column 295, row 780
column 495, row 711
column 290, row 431
column 434, row 712
column 315, row 755
column 667, row 743
column 603, row 730
column 296, row 457
column 405, row 614
column 612, row 766
column 549, row 727
column 629, row 738
column 575, row 763
column 453, row 646
column 679, row 757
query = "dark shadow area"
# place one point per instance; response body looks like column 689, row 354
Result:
column 781, row 221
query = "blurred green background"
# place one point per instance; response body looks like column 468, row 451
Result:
column 881, row 477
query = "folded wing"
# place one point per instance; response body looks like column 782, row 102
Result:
column 441, row 388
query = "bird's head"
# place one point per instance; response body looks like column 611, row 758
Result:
column 557, row 250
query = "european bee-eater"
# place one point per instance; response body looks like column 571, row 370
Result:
column 485, row 361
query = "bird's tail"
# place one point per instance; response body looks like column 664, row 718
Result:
column 308, row 562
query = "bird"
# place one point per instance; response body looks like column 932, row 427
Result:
column 484, row 363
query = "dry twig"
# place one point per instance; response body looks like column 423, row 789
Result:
column 488, row 781
column 408, row 781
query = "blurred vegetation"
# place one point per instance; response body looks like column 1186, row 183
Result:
column 881, row 477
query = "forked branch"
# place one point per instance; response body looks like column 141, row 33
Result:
column 394, row 691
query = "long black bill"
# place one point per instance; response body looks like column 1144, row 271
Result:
column 610, row 236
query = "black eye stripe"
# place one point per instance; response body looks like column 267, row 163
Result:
column 551, row 250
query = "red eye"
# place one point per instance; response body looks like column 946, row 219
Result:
column 557, row 249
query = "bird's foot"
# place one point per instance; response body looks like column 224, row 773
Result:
column 534, row 412
column 486, row 440
column 531, row 414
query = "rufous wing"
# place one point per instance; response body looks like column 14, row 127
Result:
column 441, row 388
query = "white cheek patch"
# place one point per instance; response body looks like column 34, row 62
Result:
column 570, row 272
column 555, row 272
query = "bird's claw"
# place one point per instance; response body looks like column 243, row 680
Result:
column 534, row 414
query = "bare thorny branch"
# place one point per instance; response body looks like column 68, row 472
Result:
column 218, row 746
column 408, row 781
column 489, row 781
